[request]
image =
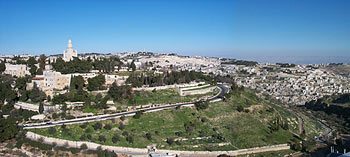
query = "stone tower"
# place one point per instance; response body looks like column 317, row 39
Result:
column 69, row 53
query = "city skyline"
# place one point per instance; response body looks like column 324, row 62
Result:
column 206, row 28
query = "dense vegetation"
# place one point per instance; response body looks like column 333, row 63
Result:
column 106, row 64
column 335, row 110
column 96, row 83
column 6, row 92
column 8, row 96
column 77, row 65
column 286, row 65
column 120, row 92
column 74, row 66
column 240, row 62
column 151, row 79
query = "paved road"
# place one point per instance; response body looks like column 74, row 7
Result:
column 218, row 97
column 322, row 138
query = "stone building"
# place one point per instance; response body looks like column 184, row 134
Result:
column 50, row 82
column 18, row 70
column 69, row 53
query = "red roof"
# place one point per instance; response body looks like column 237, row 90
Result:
column 37, row 78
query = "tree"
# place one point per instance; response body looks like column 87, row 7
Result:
column 59, row 65
column 170, row 140
column 36, row 95
column 133, row 66
column 121, row 126
column 83, row 146
column 39, row 71
column 42, row 61
column 54, row 115
column 24, row 95
column 125, row 133
column 115, row 138
column 102, row 138
column 138, row 114
column 21, row 83
column 103, row 103
column 59, row 99
column 84, row 125
column 120, row 92
column 2, row 67
column 122, row 118
column 77, row 83
column 96, row 83
column 33, row 70
column 108, row 127
column 240, row 108
column 74, row 66
column 41, row 107
column 88, row 136
column 148, row 136
column 97, row 125
column 31, row 62
column 82, row 137
column 87, row 102
column 296, row 145
column 130, row 139
column 201, row 105
column 6, row 91
column 8, row 129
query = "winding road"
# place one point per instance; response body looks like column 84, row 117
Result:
column 218, row 97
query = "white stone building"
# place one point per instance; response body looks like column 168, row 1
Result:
column 120, row 80
column 18, row 70
column 55, row 80
column 69, row 53
column 85, row 76
column 50, row 82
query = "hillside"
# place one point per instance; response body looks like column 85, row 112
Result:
column 334, row 110
column 243, row 120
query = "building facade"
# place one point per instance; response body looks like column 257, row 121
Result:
column 18, row 70
column 69, row 53
column 50, row 82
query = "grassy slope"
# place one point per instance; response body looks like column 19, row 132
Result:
column 163, row 96
column 240, row 129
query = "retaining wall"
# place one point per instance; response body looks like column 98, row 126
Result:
column 133, row 151
column 199, row 91
column 35, row 107
column 168, row 86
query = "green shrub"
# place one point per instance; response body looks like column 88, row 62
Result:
column 97, row 125
column 108, row 127
column 130, row 139
column 102, row 138
column 83, row 146
column 170, row 140
column 115, row 138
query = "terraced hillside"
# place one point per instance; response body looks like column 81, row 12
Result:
column 243, row 120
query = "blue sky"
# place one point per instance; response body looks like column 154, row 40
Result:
column 226, row 28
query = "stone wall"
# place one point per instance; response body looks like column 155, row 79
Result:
column 140, row 151
column 195, row 92
column 47, row 108
column 168, row 86
column 194, row 87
